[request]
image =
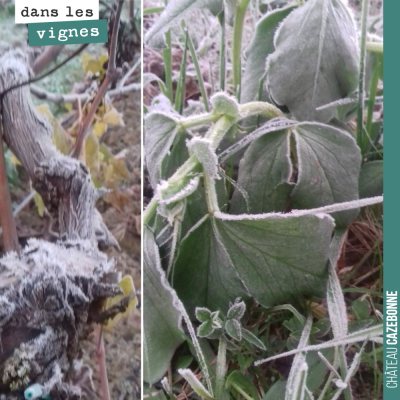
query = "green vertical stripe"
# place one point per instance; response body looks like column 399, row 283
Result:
column 391, row 277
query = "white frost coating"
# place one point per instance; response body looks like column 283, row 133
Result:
column 349, row 100
column 202, row 149
column 163, row 113
column 337, row 103
column 358, row 336
column 321, row 212
column 340, row 384
column 174, row 12
column 334, row 297
column 75, row 258
column 275, row 124
column 225, row 104
column 351, row 372
column 328, row 365
column 185, row 192
column 173, row 212
column 196, row 385
column 240, row 189
column 295, row 387
column 183, row 314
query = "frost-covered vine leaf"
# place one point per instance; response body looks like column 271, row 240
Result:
column 278, row 258
column 177, row 155
column 260, row 47
column 150, row 77
column 204, row 275
column 315, row 60
column 161, row 130
column 162, row 331
column 264, row 173
column 175, row 11
column 196, row 206
column 371, row 179
column 329, row 166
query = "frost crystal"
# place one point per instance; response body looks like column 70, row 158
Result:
column 50, row 296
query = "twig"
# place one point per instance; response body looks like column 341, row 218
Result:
column 59, row 98
column 101, row 358
column 131, row 7
column 110, row 77
column 48, row 56
column 69, row 58
column 6, row 215
column 129, row 73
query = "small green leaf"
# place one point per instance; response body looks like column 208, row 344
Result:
column 203, row 314
column 234, row 329
column 362, row 309
column 205, row 329
column 236, row 311
column 247, row 335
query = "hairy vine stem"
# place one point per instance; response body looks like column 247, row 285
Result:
column 215, row 134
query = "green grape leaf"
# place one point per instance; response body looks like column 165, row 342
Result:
column 277, row 257
column 161, row 130
column 175, row 11
column 162, row 320
column 264, row 173
column 260, row 47
column 329, row 163
column 316, row 59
